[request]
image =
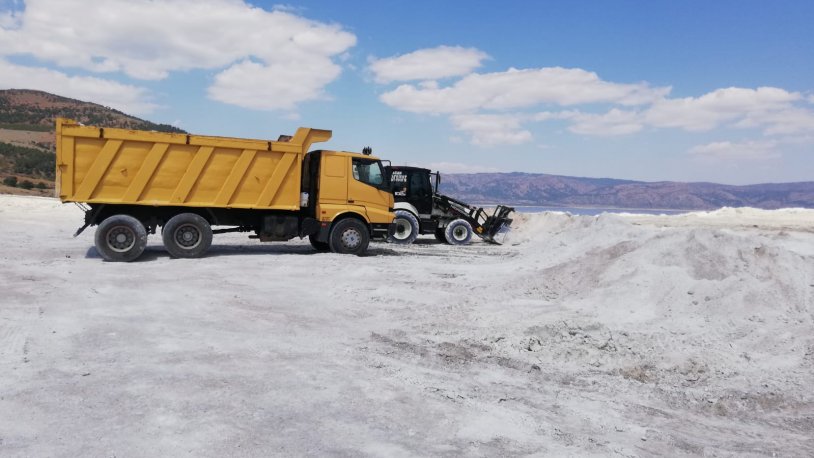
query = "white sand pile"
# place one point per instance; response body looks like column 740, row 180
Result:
column 629, row 335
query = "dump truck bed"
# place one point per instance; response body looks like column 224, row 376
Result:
column 119, row 166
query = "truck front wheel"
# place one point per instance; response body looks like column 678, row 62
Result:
column 349, row 236
column 459, row 232
column 121, row 238
column 187, row 235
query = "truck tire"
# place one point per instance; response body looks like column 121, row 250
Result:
column 319, row 246
column 187, row 235
column 459, row 232
column 121, row 238
column 406, row 228
column 349, row 236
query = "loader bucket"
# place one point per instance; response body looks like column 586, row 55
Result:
column 501, row 236
column 497, row 227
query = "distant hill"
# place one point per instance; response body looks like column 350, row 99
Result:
column 27, row 167
column 27, row 135
column 562, row 191
column 22, row 109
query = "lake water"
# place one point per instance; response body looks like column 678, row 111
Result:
column 596, row 211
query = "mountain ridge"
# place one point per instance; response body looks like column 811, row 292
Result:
column 26, row 109
column 523, row 188
column 27, row 146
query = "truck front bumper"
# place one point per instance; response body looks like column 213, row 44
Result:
column 378, row 231
column 382, row 230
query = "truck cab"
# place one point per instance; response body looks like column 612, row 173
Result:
column 342, row 185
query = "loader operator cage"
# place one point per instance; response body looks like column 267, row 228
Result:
column 420, row 186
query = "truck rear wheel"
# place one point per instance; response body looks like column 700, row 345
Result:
column 187, row 235
column 406, row 228
column 121, row 238
column 459, row 232
column 349, row 236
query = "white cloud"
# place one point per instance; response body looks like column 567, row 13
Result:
column 614, row 122
column 149, row 39
column 514, row 89
column 727, row 151
column 427, row 64
column 768, row 109
column 552, row 115
column 252, row 85
column 783, row 121
column 713, row 109
column 492, row 129
column 124, row 97
column 491, row 107
column 9, row 19
column 457, row 167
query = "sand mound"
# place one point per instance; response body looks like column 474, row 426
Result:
column 610, row 335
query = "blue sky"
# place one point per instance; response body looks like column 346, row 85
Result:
column 683, row 90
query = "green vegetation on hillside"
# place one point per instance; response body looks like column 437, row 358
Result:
column 27, row 161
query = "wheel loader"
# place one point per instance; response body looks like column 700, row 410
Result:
column 421, row 209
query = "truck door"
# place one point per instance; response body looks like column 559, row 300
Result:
column 333, row 183
column 367, row 187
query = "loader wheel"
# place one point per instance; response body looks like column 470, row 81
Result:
column 121, row 238
column 459, row 232
column 349, row 236
column 406, row 228
column 319, row 246
column 187, row 235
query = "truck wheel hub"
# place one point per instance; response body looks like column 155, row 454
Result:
column 188, row 236
column 121, row 239
column 351, row 238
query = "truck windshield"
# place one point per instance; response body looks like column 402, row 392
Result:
column 368, row 171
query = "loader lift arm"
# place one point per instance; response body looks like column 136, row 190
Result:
column 486, row 226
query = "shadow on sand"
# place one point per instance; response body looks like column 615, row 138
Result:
column 152, row 253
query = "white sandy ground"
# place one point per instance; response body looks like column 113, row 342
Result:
column 621, row 335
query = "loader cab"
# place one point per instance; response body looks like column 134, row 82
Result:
column 413, row 185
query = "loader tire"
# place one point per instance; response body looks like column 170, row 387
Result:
column 458, row 232
column 187, row 235
column 319, row 246
column 406, row 228
column 121, row 238
column 349, row 236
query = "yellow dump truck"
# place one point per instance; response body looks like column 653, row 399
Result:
column 130, row 183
